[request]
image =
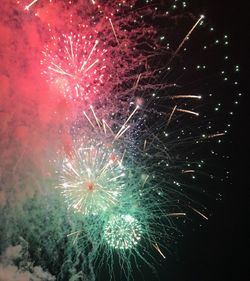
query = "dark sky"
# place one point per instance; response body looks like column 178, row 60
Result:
column 219, row 250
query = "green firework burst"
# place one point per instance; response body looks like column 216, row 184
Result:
column 122, row 232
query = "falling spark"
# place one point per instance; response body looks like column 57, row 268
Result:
column 156, row 246
column 185, row 38
column 137, row 81
column 31, row 4
column 90, row 54
column 145, row 145
column 73, row 233
column 185, row 97
column 85, row 114
column 114, row 31
column 176, row 214
column 145, row 180
column 187, row 111
column 171, row 115
column 215, row 135
column 124, row 128
column 198, row 212
column 96, row 119
column 188, row 171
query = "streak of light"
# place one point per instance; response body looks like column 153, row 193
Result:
column 144, row 145
column 114, row 31
column 185, row 97
column 188, row 171
column 29, row 5
column 104, row 122
column 171, row 115
column 124, row 128
column 122, row 132
column 199, row 213
column 73, row 233
column 145, row 180
column 185, row 38
column 90, row 54
column 71, row 49
column 72, row 168
column 88, row 119
column 188, row 111
column 104, row 127
column 176, row 214
column 96, row 119
column 95, row 62
column 215, row 135
column 156, row 246
column 137, row 81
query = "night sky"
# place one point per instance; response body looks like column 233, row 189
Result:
column 218, row 251
column 215, row 249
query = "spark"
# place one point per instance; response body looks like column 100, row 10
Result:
column 186, row 38
column 31, row 4
column 187, row 111
column 73, row 233
column 188, row 171
column 171, row 115
column 215, row 135
column 85, row 114
column 185, row 97
column 145, row 145
column 106, row 125
column 145, row 180
column 122, row 131
column 137, row 81
column 89, row 56
column 114, row 31
column 198, row 212
column 96, row 119
column 176, row 214
column 124, row 128
column 156, row 246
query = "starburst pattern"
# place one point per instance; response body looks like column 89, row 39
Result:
column 92, row 179
column 75, row 64
column 122, row 232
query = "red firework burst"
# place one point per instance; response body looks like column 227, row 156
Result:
column 76, row 65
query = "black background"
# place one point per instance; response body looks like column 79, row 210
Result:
column 220, row 249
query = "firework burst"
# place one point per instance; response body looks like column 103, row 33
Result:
column 92, row 179
column 76, row 65
column 122, row 232
column 93, row 175
column 125, row 180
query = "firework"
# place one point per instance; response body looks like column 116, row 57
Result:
column 139, row 229
column 93, row 175
column 30, row 4
column 126, row 174
column 122, row 232
column 92, row 179
column 75, row 64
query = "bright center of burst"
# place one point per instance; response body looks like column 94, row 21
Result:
column 90, row 186
column 92, row 180
column 122, row 232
